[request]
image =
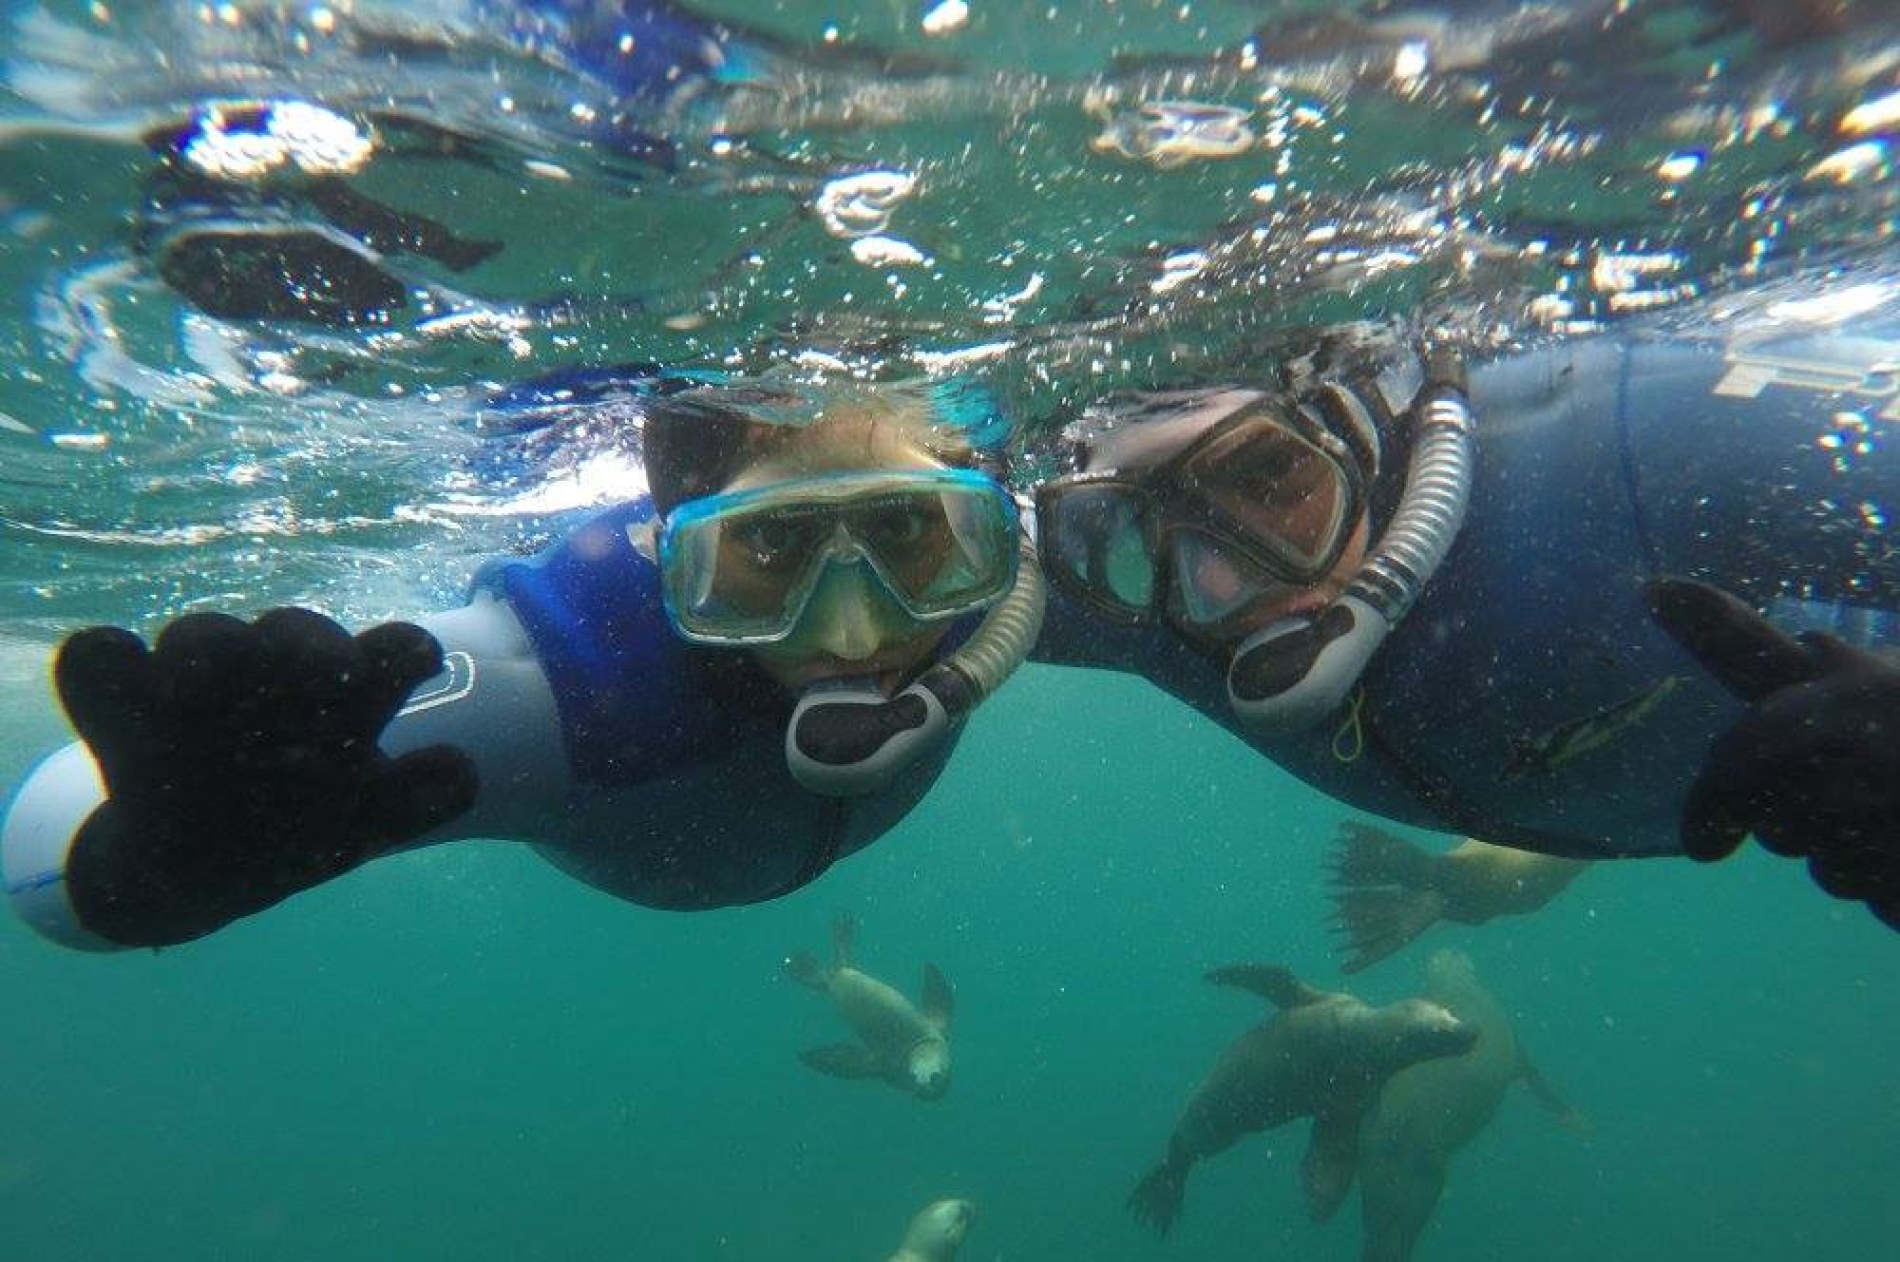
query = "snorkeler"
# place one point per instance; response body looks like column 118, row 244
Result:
column 704, row 696
column 1283, row 560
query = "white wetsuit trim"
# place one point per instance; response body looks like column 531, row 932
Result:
column 37, row 834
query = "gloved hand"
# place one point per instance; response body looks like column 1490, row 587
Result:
column 1813, row 767
column 241, row 765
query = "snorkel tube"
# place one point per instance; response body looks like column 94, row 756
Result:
column 1295, row 672
column 846, row 739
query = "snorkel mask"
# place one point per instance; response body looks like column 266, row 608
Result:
column 741, row 568
column 1264, row 498
column 1205, row 534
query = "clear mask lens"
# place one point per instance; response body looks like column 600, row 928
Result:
column 1213, row 582
column 1101, row 538
column 1277, row 490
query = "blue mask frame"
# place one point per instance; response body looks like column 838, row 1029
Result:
column 682, row 557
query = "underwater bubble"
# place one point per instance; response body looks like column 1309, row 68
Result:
column 1879, row 114
column 945, row 17
column 861, row 205
column 881, row 251
column 1845, row 166
column 1168, row 134
column 1680, row 166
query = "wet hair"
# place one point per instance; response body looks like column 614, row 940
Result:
column 696, row 442
column 692, row 450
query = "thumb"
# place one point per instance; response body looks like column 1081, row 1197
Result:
column 105, row 682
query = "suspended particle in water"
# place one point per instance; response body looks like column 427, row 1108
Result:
column 945, row 17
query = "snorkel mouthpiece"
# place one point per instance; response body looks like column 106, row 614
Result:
column 846, row 739
column 1295, row 672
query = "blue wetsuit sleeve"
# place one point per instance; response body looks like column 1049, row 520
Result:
column 635, row 701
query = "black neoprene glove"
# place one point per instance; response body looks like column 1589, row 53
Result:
column 1813, row 767
column 241, row 765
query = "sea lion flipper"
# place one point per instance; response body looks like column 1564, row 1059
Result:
column 804, row 969
column 1375, row 921
column 1156, row 1200
column 1546, row 1095
column 389, row 230
column 1747, row 653
column 1271, row 982
column 1365, row 854
column 843, row 1060
column 1332, row 1158
column 844, row 930
column 939, row 1002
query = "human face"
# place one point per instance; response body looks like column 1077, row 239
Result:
column 851, row 627
column 1217, row 512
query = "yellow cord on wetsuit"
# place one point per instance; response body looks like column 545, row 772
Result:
column 1349, row 739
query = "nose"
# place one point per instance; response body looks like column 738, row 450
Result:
column 850, row 615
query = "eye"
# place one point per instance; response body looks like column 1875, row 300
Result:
column 769, row 544
column 899, row 525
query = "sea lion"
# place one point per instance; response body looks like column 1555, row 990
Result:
column 937, row 1232
column 1387, row 891
column 1322, row 1055
column 1431, row 1110
column 906, row 1047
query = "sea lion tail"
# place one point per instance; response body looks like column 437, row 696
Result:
column 1156, row 1200
column 803, row 967
column 1373, row 923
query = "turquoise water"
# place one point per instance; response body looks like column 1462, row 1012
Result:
column 462, row 1053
